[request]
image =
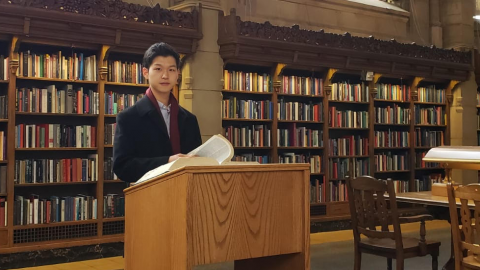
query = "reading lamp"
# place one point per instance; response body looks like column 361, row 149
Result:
column 452, row 157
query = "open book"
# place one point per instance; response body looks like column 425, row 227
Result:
column 215, row 151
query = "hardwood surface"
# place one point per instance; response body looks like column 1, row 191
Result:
column 205, row 215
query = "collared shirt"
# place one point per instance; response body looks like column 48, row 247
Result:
column 165, row 110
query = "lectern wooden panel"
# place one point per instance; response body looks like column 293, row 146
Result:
column 255, row 215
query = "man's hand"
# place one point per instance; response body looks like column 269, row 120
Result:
column 177, row 156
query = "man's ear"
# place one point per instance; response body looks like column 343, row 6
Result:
column 145, row 72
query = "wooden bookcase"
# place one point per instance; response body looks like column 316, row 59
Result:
column 112, row 78
column 246, row 48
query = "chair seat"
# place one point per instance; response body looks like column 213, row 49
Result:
column 470, row 262
column 388, row 245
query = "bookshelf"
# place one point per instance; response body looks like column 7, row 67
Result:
column 59, row 96
column 369, row 126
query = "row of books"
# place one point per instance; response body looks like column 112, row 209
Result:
column 317, row 191
column 299, row 137
column 3, row 107
column 3, row 212
column 389, row 161
column 338, row 191
column 249, row 136
column 340, row 168
column 54, row 100
column 431, row 94
column 393, row 92
column 3, row 146
column 247, row 109
column 262, row 159
column 430, row 116
column 300, row 111
column 392, row 138
column 32, row 171
column 113, row 206
column 108, row 173
column 392, row 115
column 428, row 138
column 109, row 133
column 35, row 210
column 347, row 118
column 307, row 86
column 315, row 161
column 125, row 72
column 349, row 92
column 116, row 102
column 74, row 66
column 419, row 163
column 352, row 145
column 3, row 179
column 4, row 68
column 247, row 81
column 54, row 135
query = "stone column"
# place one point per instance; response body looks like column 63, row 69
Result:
column 457, row 24
column 435, row 24
column 420, row 22
column 202, row 74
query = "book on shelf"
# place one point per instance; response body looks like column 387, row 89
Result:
column 113, row 206
column 3, row 107
column 393, row 92
column 215, row 151
column 117, row 102
column 349, row 92
column 3, row 212
column 35, row 210
column 54, row 100
column 3, row 179
column 247, row 81
column 125, row 72
column 55, row 136
column 76, row 66
column 4, row 68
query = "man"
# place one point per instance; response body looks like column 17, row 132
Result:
column 156, row 130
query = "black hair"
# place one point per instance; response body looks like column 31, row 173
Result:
column 160, row 49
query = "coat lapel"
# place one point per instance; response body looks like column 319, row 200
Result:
column 146, row 108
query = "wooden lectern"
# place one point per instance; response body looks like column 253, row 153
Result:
column 255, row 215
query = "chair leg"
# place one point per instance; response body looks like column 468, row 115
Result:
column 434, row 262
column 389, row 263
column 399, row 264
column 358, row 260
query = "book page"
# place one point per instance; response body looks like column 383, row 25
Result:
column 217, row 147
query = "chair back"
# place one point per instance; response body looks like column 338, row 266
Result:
column 462, row 202
column 369, row 208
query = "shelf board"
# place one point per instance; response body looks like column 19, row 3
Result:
column 108, row 146
column 354, row 156
column 391, row 148
column 57, row 149
column 113, row 181
column 300, row 148
column 429, row 103
column 432, row 168
column 3, row 161
column 3, row 194
column 349, row 102
column 4, row 81
column 247, row 120
column 56, row 114
column 329, row 217
column 317, row 174
column 3, row 120
column 247, row 92
column 398, row 171
column 113, row 219
column 54, row 224
column 252, row 147
column 391, row 101
column 127, row 84
column 56, row 184
column 110, row 115
column 425, row 147
column 428, row 125
column 298, row 95
column 347, row 128
column 399, row 125
column 299, row 121
column 57, row 80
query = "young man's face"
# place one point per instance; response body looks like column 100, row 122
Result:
column 162, row 74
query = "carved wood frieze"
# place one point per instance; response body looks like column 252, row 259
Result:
column 115, row 9
column 347, row 41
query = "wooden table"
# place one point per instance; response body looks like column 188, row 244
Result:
column 437, row 206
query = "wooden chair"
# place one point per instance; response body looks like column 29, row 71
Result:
column 466, row 249
column 368, row 207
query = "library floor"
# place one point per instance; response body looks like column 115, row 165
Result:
column 330, row 250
